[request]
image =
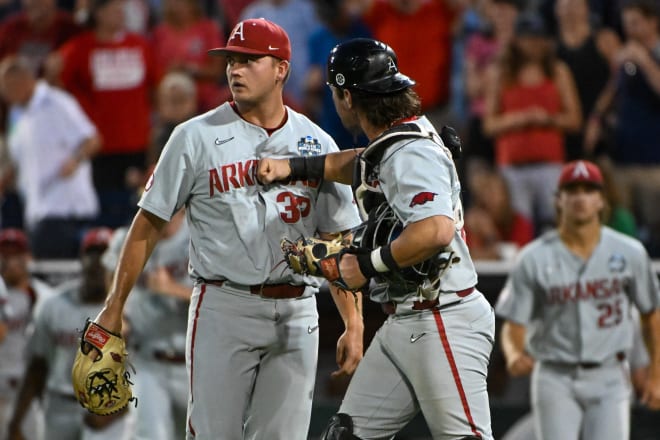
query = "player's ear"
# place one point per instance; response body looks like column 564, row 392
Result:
column 348, row 98
column 283, row 68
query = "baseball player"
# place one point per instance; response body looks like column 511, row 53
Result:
column 24, row 294
column 252, row 341
column 51, row 351
column 567, row 308
column 638, row 360
column 157, row 316
column 432, row 353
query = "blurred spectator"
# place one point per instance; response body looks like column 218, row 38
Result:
column 419, row 31
column 298, row 18
column 37, row 30
column 51, row 351
column 23, row 292
column 617, row 216
column 8, row 7
column 157, row 316
column 338, row 24
column 176, row 102
column 494, row 229
column 635, row 98
column 482, row 50
column 589, row 52
column 180, row 44
column 531, row 102
column 230, row 11
column 50, row 145
column 112, row 73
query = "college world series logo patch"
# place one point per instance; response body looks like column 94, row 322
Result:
column 308, row 146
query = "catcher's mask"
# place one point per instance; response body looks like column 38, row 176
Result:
column 383, row 227
column 367, row 65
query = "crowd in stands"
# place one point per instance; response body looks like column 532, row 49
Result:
column 91, row 90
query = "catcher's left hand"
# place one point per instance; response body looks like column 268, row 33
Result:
column 101, row 385
column 316, row 257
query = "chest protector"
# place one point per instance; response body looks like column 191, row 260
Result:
column 381, row 224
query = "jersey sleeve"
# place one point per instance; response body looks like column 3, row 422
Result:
column 645, row 292
column 418, row 181
column 516, row 300
column 40, row 343
column 171, row 182
column 335, row 210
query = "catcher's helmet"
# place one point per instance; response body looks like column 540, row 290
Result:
column 366, row 65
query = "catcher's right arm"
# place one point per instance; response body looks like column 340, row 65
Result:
column 101, row 385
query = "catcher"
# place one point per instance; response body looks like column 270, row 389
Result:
column 432, row 352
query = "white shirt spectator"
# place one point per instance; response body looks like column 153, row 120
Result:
column 47, row 132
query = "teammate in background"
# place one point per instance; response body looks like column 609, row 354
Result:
column 252, row 341
column 567, row 308
column 24, row 294
column 157, row 316
column 432, row 353
column 51, row 351
column 638, row 359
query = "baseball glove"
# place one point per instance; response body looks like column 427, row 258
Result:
column 316, row 257
column 102, row 386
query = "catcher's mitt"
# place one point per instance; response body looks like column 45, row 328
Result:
column 316, row 257
column 102, row 386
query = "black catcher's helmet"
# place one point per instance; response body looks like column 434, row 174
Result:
column 366, row 65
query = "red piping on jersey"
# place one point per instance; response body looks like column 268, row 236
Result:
column 454, row 371
column 268, row 130
column 192, row 350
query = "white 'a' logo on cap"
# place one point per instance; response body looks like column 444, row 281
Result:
column 238, row 30
column 580, row 170
column 391, row 67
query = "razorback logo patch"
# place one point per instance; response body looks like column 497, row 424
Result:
column 422, row 197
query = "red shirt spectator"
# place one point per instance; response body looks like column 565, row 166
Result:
column 420, row 33
column 112, row 81
column 36, row 31
column 181, row 42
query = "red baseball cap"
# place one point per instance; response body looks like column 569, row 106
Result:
column 257, row 36
column 13, row 241
column 581, row 171
column 96, row 238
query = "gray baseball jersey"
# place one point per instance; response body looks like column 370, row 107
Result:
column 156, row 343
column 576, row 310
column 241, row 346
column 433, row 360
column 578, row 319
column 209, row 165
column 419, row 180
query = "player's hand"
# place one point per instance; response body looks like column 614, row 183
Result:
column 109, row 319
column 651, row 392
column 350, row 350
column 520, row 364
column 270, row 170
column 350, row 271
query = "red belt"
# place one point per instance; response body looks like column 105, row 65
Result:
column 274, row 291
column 172, row 357
column 390, row 306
